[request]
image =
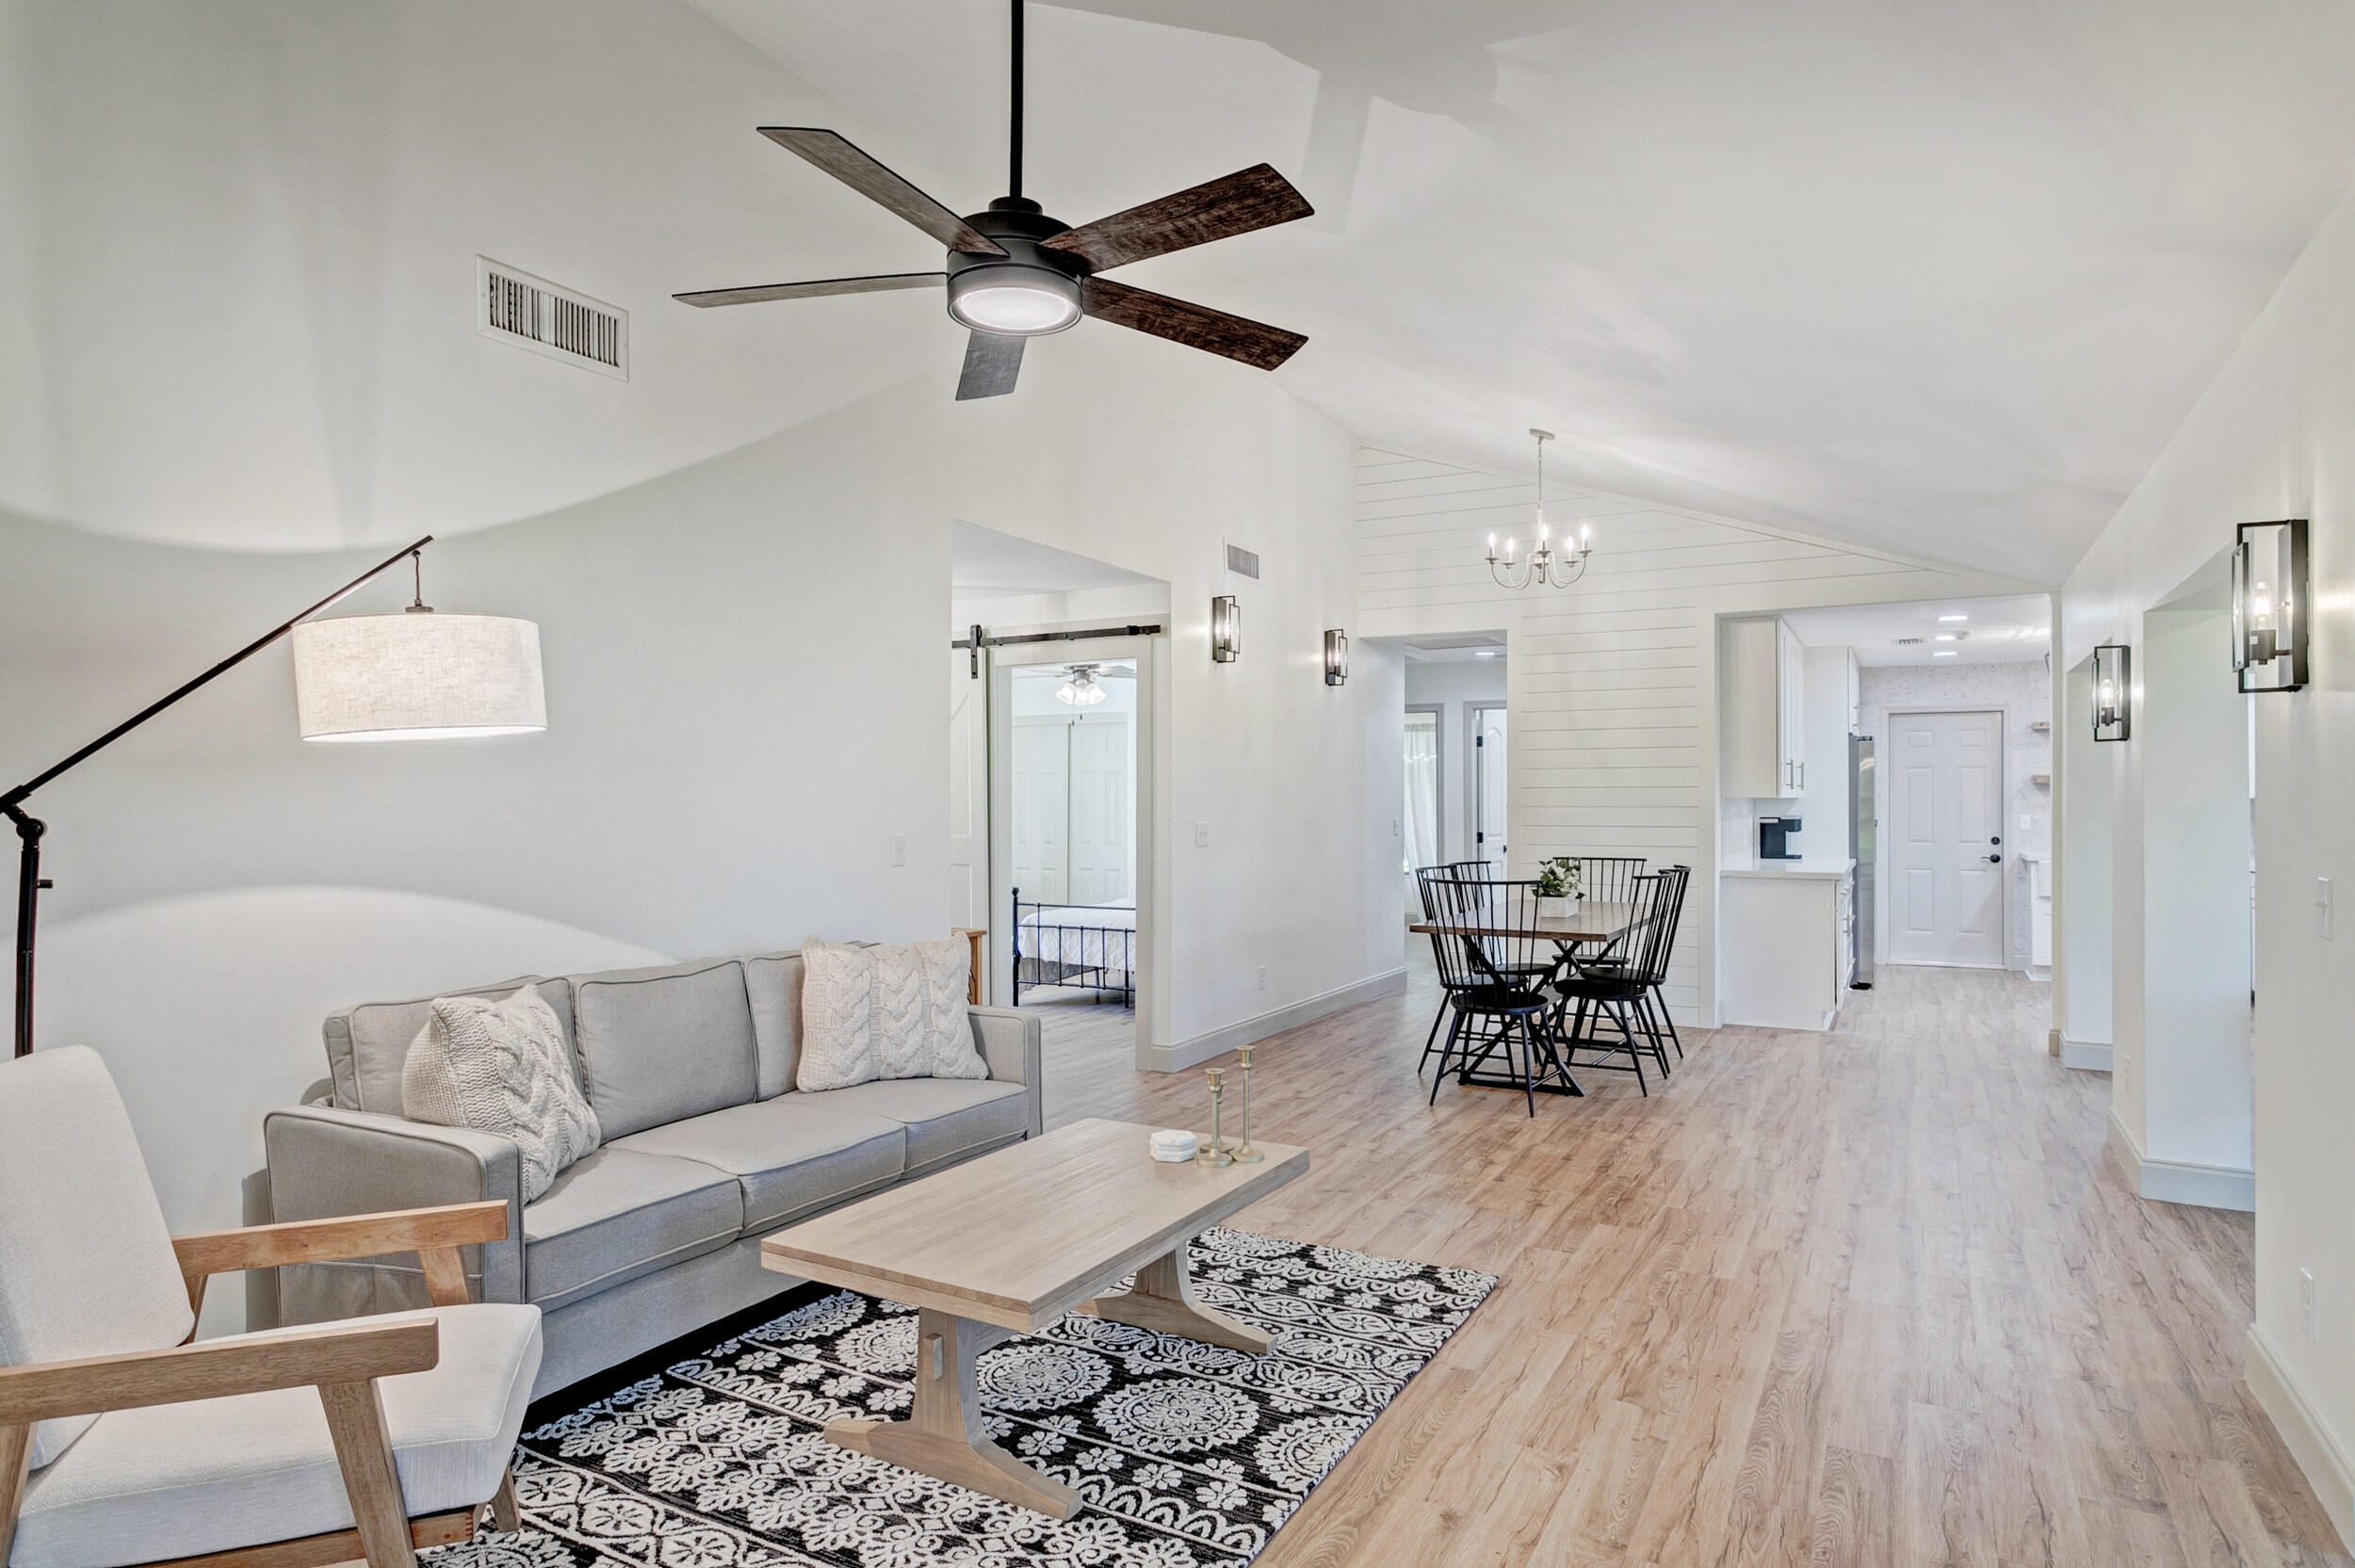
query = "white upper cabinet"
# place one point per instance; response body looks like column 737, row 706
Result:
column 1762, row 694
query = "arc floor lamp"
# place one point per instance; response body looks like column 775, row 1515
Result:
column 411, row 676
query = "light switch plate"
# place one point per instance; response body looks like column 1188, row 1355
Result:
column 2026, row 822
column 2322, row 907
column 1201, row 836
column 899, row 849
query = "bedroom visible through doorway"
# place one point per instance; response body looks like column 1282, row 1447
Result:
column 1074, row 832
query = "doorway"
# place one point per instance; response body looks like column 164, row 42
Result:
column 1945, row 839
column 1488, row 785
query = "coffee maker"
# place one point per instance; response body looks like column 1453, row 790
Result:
column 1773, row 837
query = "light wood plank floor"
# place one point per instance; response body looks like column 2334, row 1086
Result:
column 1871, row 1298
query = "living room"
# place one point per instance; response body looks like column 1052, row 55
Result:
column 1525, row 1307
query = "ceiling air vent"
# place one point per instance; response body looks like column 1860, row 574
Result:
column 1242, row 562
column 1908, row 641
column 532, row 312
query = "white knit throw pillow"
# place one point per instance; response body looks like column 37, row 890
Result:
column 500, row 1067
column 872, row 1012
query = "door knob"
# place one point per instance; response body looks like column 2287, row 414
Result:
column 1994, row 860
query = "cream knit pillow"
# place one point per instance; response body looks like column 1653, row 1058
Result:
column 500, row 1067
column 875, row 1012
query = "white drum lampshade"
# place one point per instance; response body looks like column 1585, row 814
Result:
column 418, row 675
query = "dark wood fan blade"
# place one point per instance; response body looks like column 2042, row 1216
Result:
column 871, row 179
column 813, row 288
column 1249, row 198
column 1254, row 343
column 992, row 360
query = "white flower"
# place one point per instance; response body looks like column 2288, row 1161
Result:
column 1222, row 1496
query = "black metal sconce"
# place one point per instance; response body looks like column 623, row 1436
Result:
column 1336, row 656
column 1225, row 629
column 2269, row 608
column 2113, row 691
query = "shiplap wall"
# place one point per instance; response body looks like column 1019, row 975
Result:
column 1611, row 685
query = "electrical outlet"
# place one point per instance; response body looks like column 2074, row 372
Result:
column 1393, row 827
column 1201, row 836
column 1264, row 987
column 899, row 849
column 2322, row 907
column 2306, row 1303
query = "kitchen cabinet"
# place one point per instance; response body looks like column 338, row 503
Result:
column 1784, row 959
column 1762, row 707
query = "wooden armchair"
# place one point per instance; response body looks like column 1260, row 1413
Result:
column 122, row 1440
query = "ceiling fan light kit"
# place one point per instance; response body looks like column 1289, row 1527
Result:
column 1014, row 273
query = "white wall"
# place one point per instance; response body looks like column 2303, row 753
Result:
column 1456, row 687
column 2083, row 939
column 2024, row 692
column 2268, row 440
column 1613, row 682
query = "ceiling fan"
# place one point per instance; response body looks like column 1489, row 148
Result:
column 1014, row 273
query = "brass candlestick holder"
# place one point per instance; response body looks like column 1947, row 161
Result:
column 1217, row 1153
column 1245, row 1154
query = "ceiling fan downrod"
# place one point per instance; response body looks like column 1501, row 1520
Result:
column 1014, row 140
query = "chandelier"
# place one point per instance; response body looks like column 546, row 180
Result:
column 1081, row 690
column 1545, row 567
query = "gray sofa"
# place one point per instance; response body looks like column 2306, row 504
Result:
column 708, row 1147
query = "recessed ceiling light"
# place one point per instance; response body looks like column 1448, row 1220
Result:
column 1945, row 653
column 1483, row 652
column 1953, row 618
column 1947, row 637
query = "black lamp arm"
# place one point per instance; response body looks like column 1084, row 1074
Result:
column 29, row 829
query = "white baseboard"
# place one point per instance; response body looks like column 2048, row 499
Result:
column 2086, row 1055
column 2317, row 1450
column 2175, row 1181
column 1250, row 1031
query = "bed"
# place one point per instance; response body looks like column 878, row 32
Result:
column 1077, row 946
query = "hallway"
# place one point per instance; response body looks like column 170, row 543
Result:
column 1868, row 1297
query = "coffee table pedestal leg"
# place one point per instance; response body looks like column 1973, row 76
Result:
column 943, row 1438
column 1162, row 1301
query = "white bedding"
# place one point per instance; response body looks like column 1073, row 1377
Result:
column 1068, row 933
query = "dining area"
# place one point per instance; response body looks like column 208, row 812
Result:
column 1542, row 978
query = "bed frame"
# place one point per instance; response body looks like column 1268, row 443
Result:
column 1104, row 952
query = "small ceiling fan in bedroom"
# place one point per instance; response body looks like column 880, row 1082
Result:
column 1014, row 273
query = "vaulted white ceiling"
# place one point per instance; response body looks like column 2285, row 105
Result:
column 1936, row 278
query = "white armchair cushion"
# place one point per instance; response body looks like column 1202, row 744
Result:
column 213, row 1474
column 86, row 1265
column 501, row 1067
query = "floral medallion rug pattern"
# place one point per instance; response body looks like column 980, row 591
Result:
column 1189, row 1455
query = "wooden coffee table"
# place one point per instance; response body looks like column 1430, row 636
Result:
column 1007, row 1243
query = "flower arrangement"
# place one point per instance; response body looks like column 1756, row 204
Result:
column 1561, row 882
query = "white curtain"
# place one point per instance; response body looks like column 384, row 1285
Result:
column 1423, row 790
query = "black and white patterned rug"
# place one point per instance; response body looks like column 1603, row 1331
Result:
column 1189, row 1455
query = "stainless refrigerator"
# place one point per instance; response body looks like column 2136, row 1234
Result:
column 1862, row 819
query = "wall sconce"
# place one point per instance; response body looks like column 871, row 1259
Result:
column 1336, row 656
column 2113, row 691
column 2270, row 609
column 1225, row 629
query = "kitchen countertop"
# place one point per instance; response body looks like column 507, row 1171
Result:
column 1822, row 867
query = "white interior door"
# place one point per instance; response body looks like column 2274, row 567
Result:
column 1488, row 787
column 968, row 795
column 1042, row 810
column 1102, row 801
column 1945, row 831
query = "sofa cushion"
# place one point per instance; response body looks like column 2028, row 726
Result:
column 792, row 1153
column 944, row 1117
column 501, row 1068
column 210, row 1475
column 618, row 1213
column 367, row 1044
column 773, row 982
column 659, row 1046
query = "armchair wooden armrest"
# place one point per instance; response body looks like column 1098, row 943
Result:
column 434, row 1233
column 350, row 1351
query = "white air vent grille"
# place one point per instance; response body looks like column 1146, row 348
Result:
column 1242, row 562
column 532, row 312
column 1907, row 642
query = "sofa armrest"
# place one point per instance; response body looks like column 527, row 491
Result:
column 326, row 1162
column 1009, row 1042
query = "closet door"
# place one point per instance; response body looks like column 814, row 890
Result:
column 1103, row 802
column 1042, row 810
